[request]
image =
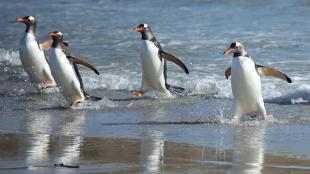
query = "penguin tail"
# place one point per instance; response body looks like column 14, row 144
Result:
column 175, row 89
column 92, row 98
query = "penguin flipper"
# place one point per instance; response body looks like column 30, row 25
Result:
column 266, row 71
column 175, row 60
column 84, row 63
column 228, row 72
column 175, row 89
column 46, row 45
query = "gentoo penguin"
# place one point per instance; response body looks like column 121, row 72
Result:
column 246, row 83
column 154, row 69
column 32, row 56
column 65, row 71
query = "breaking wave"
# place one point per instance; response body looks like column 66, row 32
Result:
column 120, row 76
column 9, row 58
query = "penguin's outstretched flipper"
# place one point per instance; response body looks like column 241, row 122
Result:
column 82, row 62
column 267, row 71
column 172, row 58
column 175, row 89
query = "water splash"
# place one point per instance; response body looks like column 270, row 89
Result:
column 9, row 58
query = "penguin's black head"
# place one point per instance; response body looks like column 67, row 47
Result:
column 141, row 28
column 237, row 49
column 28, row 20
column 56, row 35
column 145, row 31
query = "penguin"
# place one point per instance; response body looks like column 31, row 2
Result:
column 246, row 82
column 32, row 56
column 154, row 68
column 65, row 71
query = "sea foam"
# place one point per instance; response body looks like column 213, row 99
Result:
column 9, row 58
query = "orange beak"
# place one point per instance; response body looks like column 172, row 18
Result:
column 229, row 51
column 137, row 29
column 21, row 20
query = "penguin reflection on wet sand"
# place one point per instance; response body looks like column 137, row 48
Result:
column 246, row 83
column 153, row 61
column 32, row 56
column 65, row 71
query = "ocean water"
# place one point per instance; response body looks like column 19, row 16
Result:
column 275, row 34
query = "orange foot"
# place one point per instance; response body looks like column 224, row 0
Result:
column 48, row 85
column 67, row 106
column 52, row 85
column 137, row 93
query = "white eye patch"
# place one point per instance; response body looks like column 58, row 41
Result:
column 31, row 18
column 59, row 33
column 145, row 25
column 238, row 44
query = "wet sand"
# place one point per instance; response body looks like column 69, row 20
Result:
column 37, row 153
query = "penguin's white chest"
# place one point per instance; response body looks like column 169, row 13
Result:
column 33, row 60
column 152, row 67
column 246, row 84
column 65, row 76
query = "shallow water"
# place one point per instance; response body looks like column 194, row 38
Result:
column 245, row 150
column 189, row 134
